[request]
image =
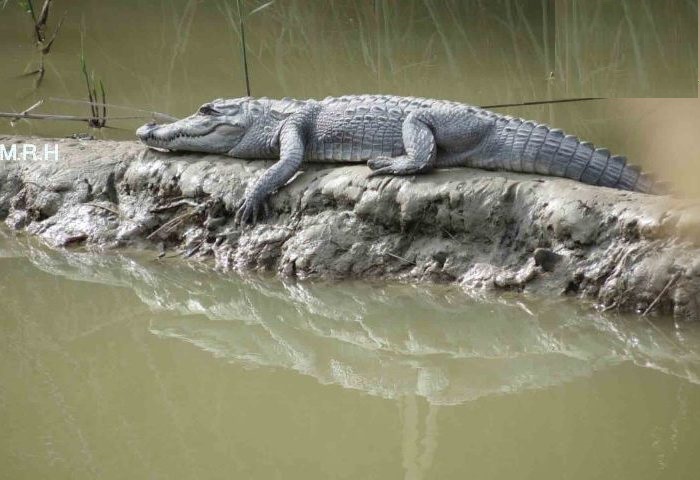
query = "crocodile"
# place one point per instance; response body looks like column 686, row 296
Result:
column 392, row 135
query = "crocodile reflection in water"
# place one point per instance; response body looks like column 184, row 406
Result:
column 385, row 340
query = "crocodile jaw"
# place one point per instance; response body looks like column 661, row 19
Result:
column 188, row 135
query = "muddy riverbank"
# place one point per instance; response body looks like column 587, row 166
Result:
column 484, row 230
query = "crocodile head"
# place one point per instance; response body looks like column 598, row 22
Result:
column 216, row 127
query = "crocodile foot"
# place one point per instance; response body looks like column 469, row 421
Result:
column 250, row 209
column 394, row 166
column 379, row 162
column 380, row 166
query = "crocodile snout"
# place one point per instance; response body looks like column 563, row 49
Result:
column 144, row 130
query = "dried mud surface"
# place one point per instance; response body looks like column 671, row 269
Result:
column 483, row 230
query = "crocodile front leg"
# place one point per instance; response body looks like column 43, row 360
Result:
column 419, row 144
column 291, row 157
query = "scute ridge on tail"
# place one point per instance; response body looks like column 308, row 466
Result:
column 530, row 147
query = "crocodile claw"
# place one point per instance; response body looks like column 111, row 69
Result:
column 395, row 166
column 379, row 163
column 250, row 210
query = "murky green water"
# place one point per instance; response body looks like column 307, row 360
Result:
column 118, row 366
column 121, row 366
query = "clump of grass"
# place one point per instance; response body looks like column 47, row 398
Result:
column 98, row 116
column 43, row 42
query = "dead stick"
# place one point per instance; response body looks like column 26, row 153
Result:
column 661, row 294
column 48, row 116
column 543, row 102
column 104, row 207
column 112, row 105
column 176, row 204
column 173, row 223
column 400, row 258
column 24, row 112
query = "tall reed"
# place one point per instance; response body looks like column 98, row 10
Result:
column 43, row 42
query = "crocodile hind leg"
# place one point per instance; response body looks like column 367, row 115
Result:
column 420, row 147
column 439, row 137
column 452, row 159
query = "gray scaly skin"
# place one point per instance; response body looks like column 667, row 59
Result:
column 393, row 135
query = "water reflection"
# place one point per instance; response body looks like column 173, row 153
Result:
column 390, row 341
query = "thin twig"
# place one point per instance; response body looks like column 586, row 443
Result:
column 193, row 250
column 400, row 258
column 176, row 204
column 104, row 207
column 49, row 116
column 42, row 20
column 165, row 116
column 543, row 102
column 671, row 281
column 24, row 112
column 173, row 223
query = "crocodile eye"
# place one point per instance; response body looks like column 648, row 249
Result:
column 207, row 110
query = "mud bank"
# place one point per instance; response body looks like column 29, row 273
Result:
column 484, row 230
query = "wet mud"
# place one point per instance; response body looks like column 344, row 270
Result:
column 486, row 231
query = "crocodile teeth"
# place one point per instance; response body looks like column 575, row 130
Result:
column 156, row 138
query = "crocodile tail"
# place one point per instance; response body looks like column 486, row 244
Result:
column 530, row 147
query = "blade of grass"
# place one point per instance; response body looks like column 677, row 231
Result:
column 29, row 6
column 47, row 47
column 243, row 47
column 104, row 104
column 83, row 67
column 95, row 110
